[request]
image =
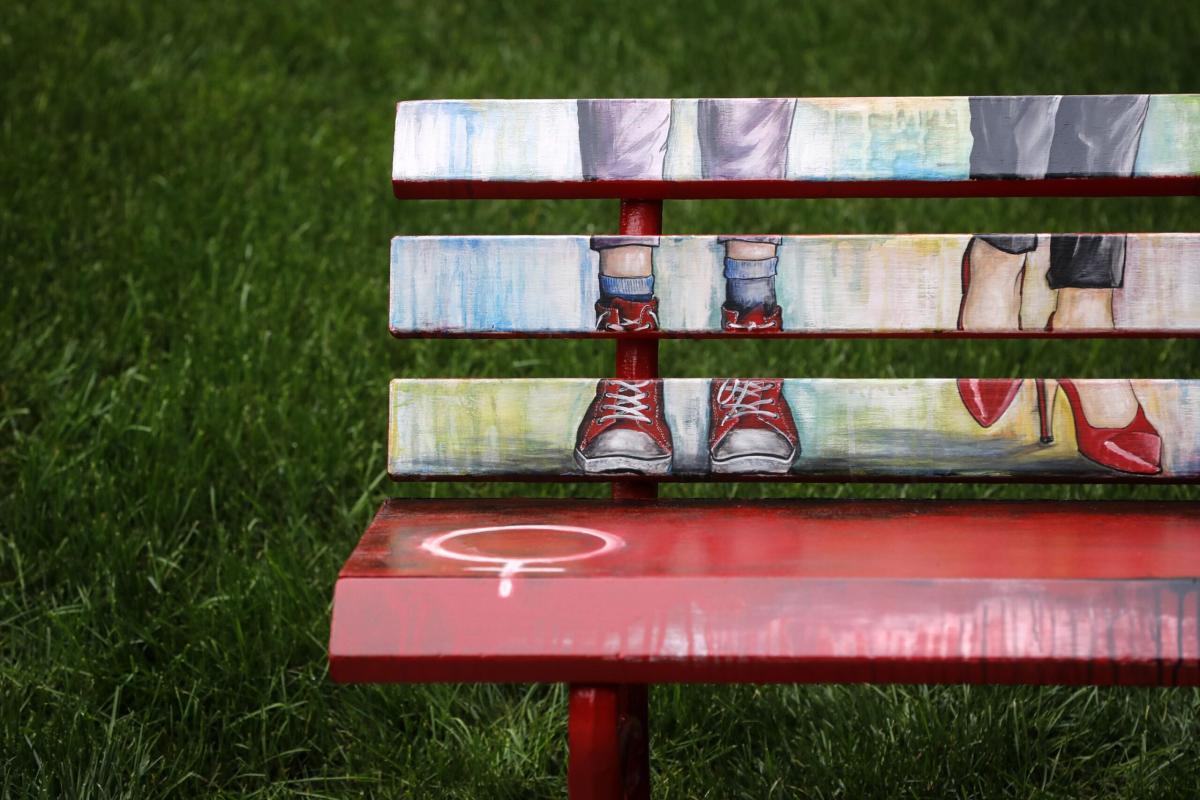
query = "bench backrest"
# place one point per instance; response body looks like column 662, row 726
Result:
column 639, row 286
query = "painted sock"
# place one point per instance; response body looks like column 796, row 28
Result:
column 626, row 288
column 750, row 283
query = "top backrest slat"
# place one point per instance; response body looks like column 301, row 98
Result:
column 809, row 147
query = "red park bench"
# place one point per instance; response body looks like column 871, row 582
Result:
column 610, row 596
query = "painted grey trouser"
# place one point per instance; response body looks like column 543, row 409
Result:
column 627, row 140
column 1060, row 137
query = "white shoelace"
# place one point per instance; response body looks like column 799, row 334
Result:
column 750, row 326
column 628, row 323
column 740, row 398
column 627, row 402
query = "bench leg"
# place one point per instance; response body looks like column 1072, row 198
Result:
column 607, row 733
column 609, row 745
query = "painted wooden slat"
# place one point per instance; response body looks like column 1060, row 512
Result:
column 910, row 285
column 798, row 147
column 589, row 591
column 833, row 429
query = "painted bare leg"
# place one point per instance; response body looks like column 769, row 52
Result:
column 750, row 304
column 625, row 428
column 627, row 261
column 624, row 140
column 991, row 301
column 992, row 282
column 750, row 250
column 627, row 302
column 1107, row 404
column 745, row 139
column 1111, row 427
column 751, row 427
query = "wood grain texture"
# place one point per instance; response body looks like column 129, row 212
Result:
column 909, row 285
column 806, row 147
column 936, row 429
column 596, row 592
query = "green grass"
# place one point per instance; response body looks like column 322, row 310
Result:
column 193, row 379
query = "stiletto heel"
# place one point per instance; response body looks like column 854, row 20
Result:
column 985, row 400
column 1045, row 412
column 1135, row 448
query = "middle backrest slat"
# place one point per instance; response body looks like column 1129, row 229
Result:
column 907, row 285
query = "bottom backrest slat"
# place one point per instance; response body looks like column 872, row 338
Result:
column 826, row 429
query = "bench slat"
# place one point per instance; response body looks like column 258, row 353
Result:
column 910, row 285
column 806, row 147
column 589, row 591
column 844, row 429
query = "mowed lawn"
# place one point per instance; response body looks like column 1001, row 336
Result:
column 193, row 368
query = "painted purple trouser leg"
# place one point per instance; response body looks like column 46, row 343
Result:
column 627, row 139
column 744, row 138
column 609, row 241
column 623, row 140
column 604, row 242
column 775, row 240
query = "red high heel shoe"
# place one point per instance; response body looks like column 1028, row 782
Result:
column 986, row 400
column 1135, row 448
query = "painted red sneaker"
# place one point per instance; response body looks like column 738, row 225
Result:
column 1135, row 448
column 756, row 320
column 620, row 315
column 752, row 429
column 625, row 430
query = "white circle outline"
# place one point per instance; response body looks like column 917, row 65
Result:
column 436, row 545
column 507, row 567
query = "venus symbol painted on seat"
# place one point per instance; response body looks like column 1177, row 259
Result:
column 514, row 549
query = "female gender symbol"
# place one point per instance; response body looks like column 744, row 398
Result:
column 507, row 566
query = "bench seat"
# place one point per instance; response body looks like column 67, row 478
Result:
column 693, row 591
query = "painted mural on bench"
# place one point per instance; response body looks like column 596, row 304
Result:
column 806, row 139
column 828, row 428
column 798, row 285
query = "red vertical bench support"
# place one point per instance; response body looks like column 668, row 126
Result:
column 637, row 358
column 609, row 753
column 594, row 760
column 633, row 739
column 608, row 726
